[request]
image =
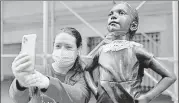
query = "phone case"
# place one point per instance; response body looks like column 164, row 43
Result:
column 28, row 46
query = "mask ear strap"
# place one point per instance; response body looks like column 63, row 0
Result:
column 79, row 52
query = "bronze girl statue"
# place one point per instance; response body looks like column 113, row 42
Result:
column 120, row 63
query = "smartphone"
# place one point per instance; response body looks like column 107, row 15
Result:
column 28, row 46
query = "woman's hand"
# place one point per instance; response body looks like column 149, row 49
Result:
column 21, row 68
column 142, row 99
column 38, row 80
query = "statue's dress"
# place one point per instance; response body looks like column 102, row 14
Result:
column 121, row 66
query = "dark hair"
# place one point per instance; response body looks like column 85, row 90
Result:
column 73, row 32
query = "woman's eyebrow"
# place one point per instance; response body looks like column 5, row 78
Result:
column 68, row 44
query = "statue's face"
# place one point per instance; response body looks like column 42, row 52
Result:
column 119, row 19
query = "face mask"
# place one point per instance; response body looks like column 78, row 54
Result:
column 64, row 60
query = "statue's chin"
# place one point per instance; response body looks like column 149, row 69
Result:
column 112, row 28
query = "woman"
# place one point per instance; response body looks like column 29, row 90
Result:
column 121, row 63
column 63, row 81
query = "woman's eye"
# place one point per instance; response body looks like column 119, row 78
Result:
column 68, row 47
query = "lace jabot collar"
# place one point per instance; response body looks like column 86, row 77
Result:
column 117, row 45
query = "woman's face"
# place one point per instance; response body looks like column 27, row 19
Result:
column 65, row 41
column 65, row 52
column 65, row 46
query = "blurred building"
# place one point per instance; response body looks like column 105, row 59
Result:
column 26, row 17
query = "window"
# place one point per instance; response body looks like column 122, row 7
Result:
column 147, row 43
column 11, row 48
column 92, row 42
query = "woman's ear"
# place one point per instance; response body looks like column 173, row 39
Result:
column 134, row 26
